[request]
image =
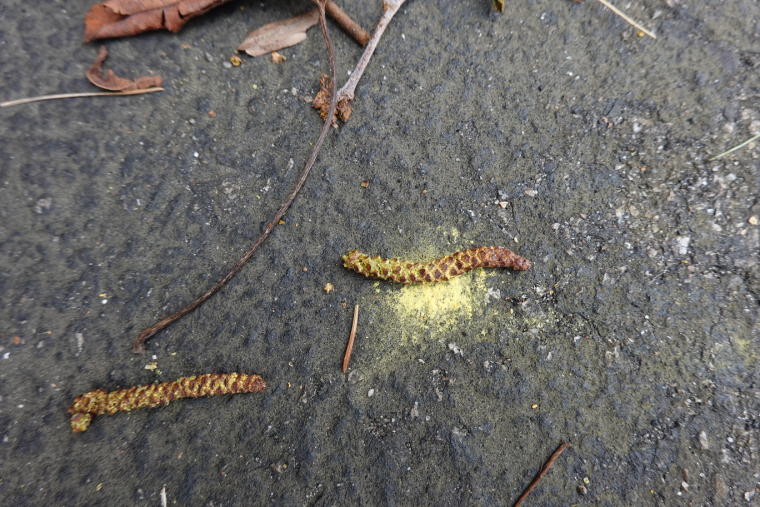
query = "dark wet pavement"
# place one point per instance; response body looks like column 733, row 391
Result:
column 553, row 130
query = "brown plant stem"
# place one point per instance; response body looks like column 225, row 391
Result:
column 359, row 34
column 545, row 468
column 139, row 345
column 78, row 95
column 346, row 93
column 351, row 339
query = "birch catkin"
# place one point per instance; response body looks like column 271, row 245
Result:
column 100, row 402
column 438, row 270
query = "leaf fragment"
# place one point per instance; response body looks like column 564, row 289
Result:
column 322, row 101
column 119, row 18
column 115, row 83
column 280, row 34
column 277, row 58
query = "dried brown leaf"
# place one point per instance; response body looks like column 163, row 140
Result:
column 115, row 83
column 119, row 18
column 277, row 57
column 322, row 101
column 280, row 34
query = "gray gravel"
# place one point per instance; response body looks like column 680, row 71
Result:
column 634, row 336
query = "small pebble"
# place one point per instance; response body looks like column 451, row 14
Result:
column 704, row 443
column 355, row 377
column 371, row 393
column 582, row 490
column 753, row 220
column 227, row 65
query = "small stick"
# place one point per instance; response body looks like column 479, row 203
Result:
column 629, row 20
column 77, row 95
column 347, row 91
column 359, row 34
column 542, row 472
column 351, row 339
column 737, row 147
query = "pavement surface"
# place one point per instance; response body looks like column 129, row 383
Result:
column 553, row 129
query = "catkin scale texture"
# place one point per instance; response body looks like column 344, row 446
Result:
column 100, row 402
column 439, row 270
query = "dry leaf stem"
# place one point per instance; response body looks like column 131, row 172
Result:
column 737, row 147
column 351, row 339
column 77, row 95
column 626, row 18
column 139, row 345
column 545, row 468
column 348, row 89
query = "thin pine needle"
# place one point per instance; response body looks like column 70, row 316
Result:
column 351, row 339
column 629, row 20
column 77, row 95
column 737, row 147
column 544, row 468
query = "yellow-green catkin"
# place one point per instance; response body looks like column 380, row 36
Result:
column 99, row 402
column 438, row 270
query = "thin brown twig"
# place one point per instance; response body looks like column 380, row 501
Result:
column 343, row 20
column 351, row 339
column 77, row 95
column 542, row 472
column 139, row 345
column 346, row 93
